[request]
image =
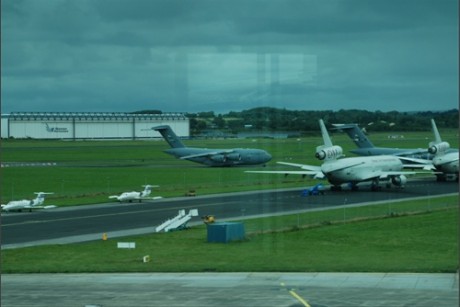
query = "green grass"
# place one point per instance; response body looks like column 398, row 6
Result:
column 421, row 237
column 90, row 171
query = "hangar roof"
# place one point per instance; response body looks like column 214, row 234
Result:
column 105, row 115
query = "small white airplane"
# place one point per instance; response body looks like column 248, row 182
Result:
column 352, row 170
column 25, row 204
column 445, row 159
column 130, row 196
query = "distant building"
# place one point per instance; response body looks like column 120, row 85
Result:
column 88, row 125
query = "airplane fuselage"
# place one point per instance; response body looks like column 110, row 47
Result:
column 358, row 169
column 447, row 163
column 225, row 157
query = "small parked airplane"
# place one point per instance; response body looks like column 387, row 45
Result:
column 212, row 157
column 130, row 196
column 445, row 159
column 352, row 170
column 25, row 204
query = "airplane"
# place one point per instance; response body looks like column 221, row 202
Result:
column 130, row 196
column 445, row 159
column 353, row 170
column 212, row 157
column 26, row 204
column 366, row 148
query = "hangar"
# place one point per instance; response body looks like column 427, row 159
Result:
column 89, row 125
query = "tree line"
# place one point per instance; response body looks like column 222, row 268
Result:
column 274, row 119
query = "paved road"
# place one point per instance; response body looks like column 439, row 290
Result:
column 231, row 289
column 65, row 225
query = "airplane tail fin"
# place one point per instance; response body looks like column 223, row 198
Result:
column 437, row 136
column 327, row 151
column 169, row 136
column 148, row 189
column 40, row 198
column 437, row 147
column 356, row 135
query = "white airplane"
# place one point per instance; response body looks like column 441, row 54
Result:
column 25, row 204
column 130, row 196
column 445, row 159
column 352, row 170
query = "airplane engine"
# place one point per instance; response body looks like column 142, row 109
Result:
column 234, row 157
column 329, row 153
column 438, row 148
column 218, row 158
column 399, row 180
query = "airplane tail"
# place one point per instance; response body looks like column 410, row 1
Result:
column 169, row 136
column 40, row 198
column 327, row 151
column 437, row 147
column 147, row 190
column 356, row 135
column 437, row 136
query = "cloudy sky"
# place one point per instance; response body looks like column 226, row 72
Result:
column 221, row 56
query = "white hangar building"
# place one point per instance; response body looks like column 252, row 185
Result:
column 85, row 125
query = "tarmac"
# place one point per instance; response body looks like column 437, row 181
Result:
column 230, row 289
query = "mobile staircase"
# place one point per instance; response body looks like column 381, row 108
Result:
column 178, row 222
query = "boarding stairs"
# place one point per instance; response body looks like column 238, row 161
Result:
column 177, row 222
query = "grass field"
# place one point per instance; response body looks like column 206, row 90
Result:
column 89, row 171
column 421, row 237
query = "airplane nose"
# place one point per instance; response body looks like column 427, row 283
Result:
column 268, row 156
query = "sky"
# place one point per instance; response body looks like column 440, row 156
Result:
column 222, row 56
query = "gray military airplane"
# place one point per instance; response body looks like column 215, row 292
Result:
column 366, row 148
column 212, row 157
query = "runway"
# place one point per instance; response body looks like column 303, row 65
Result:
column 231, row 289
column 84, row 223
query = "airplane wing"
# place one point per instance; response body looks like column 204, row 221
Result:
column 384, row 175
column 149, row 198
column 419, row 163
column 314, row 174
column 412, row 152
column 207, row 154
column 313, row 168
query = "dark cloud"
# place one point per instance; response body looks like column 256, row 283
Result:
column 174, row 55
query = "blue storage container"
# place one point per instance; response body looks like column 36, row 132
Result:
column 225, row 232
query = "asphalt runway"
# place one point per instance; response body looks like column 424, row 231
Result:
column 84, row 223
column 231, row 289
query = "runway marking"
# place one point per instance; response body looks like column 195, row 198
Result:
column 295, row 295
column 299, row 298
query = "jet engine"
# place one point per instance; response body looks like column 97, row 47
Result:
column 439, row 148
column 234, row 157
column 399, row 180
column 328, row 153
column 218, row 158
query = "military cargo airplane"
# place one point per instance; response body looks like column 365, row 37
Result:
column 26, row 204
column 366, row 148
column 139, row 196
column 352, row 170
column 212, row 157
